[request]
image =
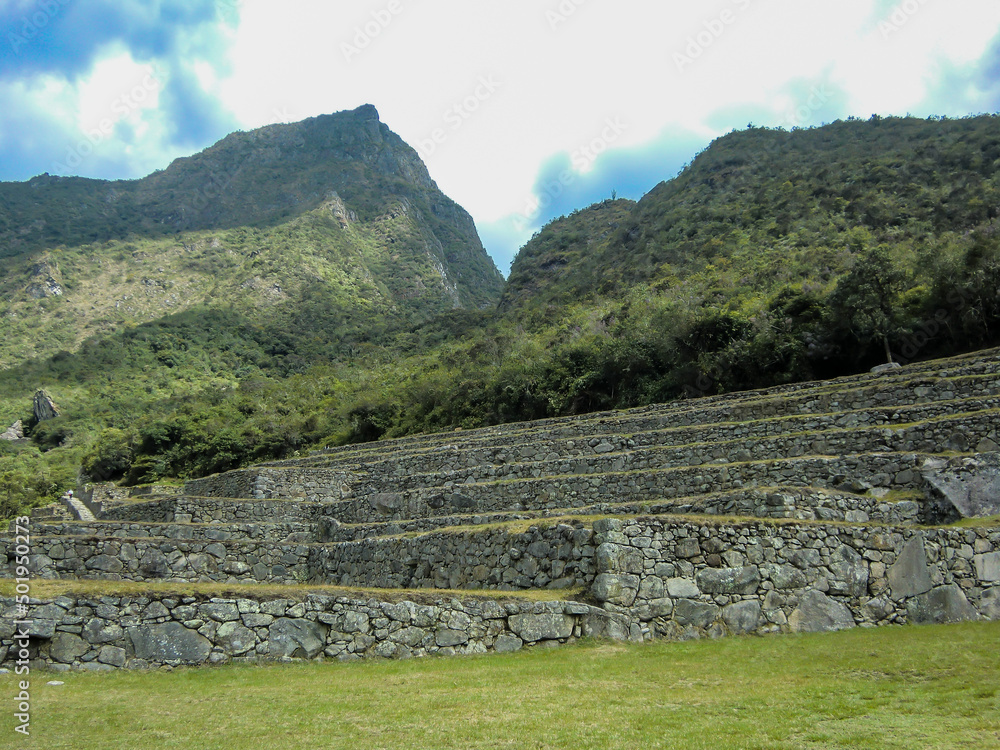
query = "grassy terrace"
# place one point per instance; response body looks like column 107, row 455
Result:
column 910, row 687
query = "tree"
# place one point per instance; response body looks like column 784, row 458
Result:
column 865, row 299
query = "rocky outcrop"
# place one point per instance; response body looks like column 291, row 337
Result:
column 43, row 407
column 14, row 432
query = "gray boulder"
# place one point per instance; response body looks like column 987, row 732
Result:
column 729, row 580
column 818, row 613
column 67, row 648
column 742, row 617
column 296, row 638
column 169, row 642
column 969, row 485
column 910, row 574
column 941, row 605
column 545, row 626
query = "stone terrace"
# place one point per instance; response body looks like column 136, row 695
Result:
column 812, row 506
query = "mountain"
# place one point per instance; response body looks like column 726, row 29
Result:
column 771, row 207
column 337, row 207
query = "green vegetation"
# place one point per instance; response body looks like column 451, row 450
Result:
column 929, row 687
column 282, row 317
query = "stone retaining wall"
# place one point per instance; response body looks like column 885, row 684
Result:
column 186, row 509
column 921, row 383
column 883, row 470
column 854, row 432
column 315, row 485
column 291, row 533
column 111, row 632
column 683, row 579
column 159, row 559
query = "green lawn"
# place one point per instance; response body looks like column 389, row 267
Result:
column 912, row 687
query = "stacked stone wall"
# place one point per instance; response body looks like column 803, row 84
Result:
column 111, row 632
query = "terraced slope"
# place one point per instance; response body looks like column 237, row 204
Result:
column 808, row 507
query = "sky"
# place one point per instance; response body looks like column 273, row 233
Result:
column 523, row 110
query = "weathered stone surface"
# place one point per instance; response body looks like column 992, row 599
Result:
column 683, row 588
column 43, row 407
column 113, row 656
column 506, row 644
column 545, row 626
column 169, row 642
column 850, row 573
column 970, row 485
column 356, row 622
column 742, row 617
column 220, row 611
column 235, row 638
column 67, row 648
column 786, row 577
column 988, row 567
column 98, row 631
column 697, row 614
column 819, row 613
column 743, row 580
column 909, row 575
column 941, row 605
column 598, row 623
column 106, row 564
column 387, row 503
column 296, row 638
column 616, row 589
column 446, row 637
column 989, row 605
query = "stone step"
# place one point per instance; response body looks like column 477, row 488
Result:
column 886, row 470
column 286, row 533
column 208, row 510
column 910, row 386
column 936, row 435
column 781, row 502
column 547, row 448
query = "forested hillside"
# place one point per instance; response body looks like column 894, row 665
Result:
column 773, row 257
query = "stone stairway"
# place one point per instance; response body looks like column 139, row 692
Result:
column 805, row 507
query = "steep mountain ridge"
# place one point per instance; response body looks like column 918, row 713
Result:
column 338, row 205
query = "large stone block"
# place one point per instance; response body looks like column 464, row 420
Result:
column 67, row 648
column 616, row 589
column 850, row 573
column 989, row 605
column 970, row 485
column 540, row 627
column 688, row 612
column 235, row 638
column 941, row 605
column 786, row 577
column 169, row 642
column 742, row 617
column 988, row 567
column 818, row 613
column 296, row 638
column 910, row 574
column 743, row 580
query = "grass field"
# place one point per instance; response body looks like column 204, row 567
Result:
column 912, row 687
